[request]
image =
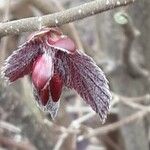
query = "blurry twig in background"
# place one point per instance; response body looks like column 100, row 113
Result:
column 6, row 11
column 4, row 41
column 60, row 18
column 10, row 127
column 132, row 102
column 51, row 6
column 109, row 141
column 73, row 127
column 7, row 142
column 131, row 33
column 113, row 126
column 14, row 5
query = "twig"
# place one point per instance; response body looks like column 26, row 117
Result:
column 74, row 125
column 135, row 105
column 60, row 18
column 111, row 127
column 60, row 141
column 134, row 102
column 131, row 34
column 51, row 6
column 134, row 99
column 75, row 109
column 5, row 39
column 128, row 101
column 14, row 5
column 46, row 6
column 11, row 143
column 111, row 143
column 10, row 127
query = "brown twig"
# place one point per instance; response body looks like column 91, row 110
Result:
column 138, row 99
column 111, row 143
column 111, row 127
column 10, row 127
column 46, row 6
column 51, row 6
column 74, row 125
column 5, row 39
column 135, row 105
column 14, row 5
column 131, row 33
column 60, row 18
column 11, row 143
column 132, row 102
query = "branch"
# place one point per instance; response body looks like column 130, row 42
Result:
column 13, row 144
column 48, row 7
column 60, row 18
column 111, row 127
column 72, row 127
column 5, row 40
column 10, row 127
column 131, row 33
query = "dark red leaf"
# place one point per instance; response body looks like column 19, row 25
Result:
column 82, row 74
column 21, row 61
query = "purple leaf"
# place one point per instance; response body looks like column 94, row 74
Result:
column 21, row 61
column 82, row 74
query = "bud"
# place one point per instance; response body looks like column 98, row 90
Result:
column 53, row 61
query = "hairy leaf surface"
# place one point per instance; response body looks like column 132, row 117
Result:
column 82, row 74
column 20, row 62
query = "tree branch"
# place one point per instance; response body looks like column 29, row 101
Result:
column 131, row 33
column 60, row 18
column 7, row 142
column 51, row 6
column 113, row 126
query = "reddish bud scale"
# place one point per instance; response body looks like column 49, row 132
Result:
column 56, row 85
column 51, row 32
column 66, row 43
column 44, row 95
column 42, row 71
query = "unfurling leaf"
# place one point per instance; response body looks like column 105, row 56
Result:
column 21, row 61
column 83, row 75
column 52, row 61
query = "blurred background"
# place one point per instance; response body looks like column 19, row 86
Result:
column 118, row 40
